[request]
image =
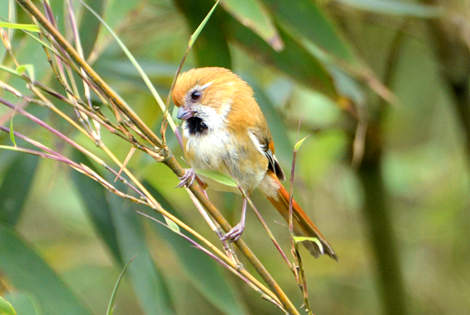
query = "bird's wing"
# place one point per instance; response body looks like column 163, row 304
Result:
column 264, row 143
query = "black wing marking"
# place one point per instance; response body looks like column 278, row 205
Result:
column 273, row 165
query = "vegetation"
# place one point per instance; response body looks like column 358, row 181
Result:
column 370, row 98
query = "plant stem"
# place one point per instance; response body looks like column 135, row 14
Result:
column 170, row 160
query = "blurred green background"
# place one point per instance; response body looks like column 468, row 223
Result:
column 398, row 217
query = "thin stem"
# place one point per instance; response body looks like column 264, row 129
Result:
column 169, row 160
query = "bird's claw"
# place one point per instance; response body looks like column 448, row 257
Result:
column 188, row 178
column 234, row 234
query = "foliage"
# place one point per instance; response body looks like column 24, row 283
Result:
column 88, row 170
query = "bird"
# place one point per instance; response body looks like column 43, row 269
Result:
column 224, row 130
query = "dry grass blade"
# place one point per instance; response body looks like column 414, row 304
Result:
column 131, row 121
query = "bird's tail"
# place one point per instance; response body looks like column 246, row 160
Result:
column 303, row 226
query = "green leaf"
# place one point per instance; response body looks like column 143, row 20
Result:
column 29, row 68
column 28, row 272
column 134, row 62
column 90, row 26
column 299, row 143
column 109, row 310
column 197, row 32
column 93, row 197
column 18, row 26
column 304, row 17
column 15, row 187
column 149, row 285
column 300, row 239
column 203, row 272
column 23, row 303
column 294, row 60
column 211, row 48
column 6, row 308
column 218, row 177
column 254, row 15
column 396, row 8
column 121, row 230
column 276, row 124
column 12, row 133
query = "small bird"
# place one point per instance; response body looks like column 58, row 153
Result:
column 224, row 130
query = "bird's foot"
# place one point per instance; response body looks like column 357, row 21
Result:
column 188, row 178
column 235, row 233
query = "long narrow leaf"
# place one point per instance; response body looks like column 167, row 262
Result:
column 94, row 199
column 211, row 48
column 294, row 60
column 6, row 308
column 109, row 310
column 23, row 303
column 203, row 272
column 254, row 15
column 134, row 62
column 24, row 27
column 306, row 18
column 38, row 279
column 149, row 284
column 400, row 8
column 90, row 26
column 15, row 187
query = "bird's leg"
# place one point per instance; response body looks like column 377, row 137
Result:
column 188, row 178
column 235, row 233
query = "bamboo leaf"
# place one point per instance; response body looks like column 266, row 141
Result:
column 18, row 26
column 254, row 15
column 134, row 62
column 90, row 26
column 203, row 272
column 149, row 284
column 23, row 303
column 15, row 187
column 304, row 17
column 294, row 60
column 94, row 199
column 121, row 230
column 29, row 68
column 110, row 309
column 6, row 308
column 299, row 143
column 300, row 239
column 195, row 35
column 38, row 279
column 12, row 133
column 396, row 8
column 275, row 122
column 218, row 177
column 211, row 48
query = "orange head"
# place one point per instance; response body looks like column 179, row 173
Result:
column 210, row 94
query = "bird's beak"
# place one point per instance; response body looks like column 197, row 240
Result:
column 185, row 113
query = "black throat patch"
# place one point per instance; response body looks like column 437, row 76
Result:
column 196, row 126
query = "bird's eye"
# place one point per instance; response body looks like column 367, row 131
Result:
column 195, row 95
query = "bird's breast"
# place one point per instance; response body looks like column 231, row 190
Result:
column 218, row 150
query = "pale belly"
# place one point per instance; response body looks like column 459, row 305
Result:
column 216, row 151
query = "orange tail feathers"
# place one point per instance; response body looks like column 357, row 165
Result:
column 302, row 223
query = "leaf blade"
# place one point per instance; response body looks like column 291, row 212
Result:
column 39, row 279
column 6, row 308
column 255, row 16
column 203, row 272
column 94, row 200
column 19, row 26
column 396, row 8
column 16, row 185
column 211, row 48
